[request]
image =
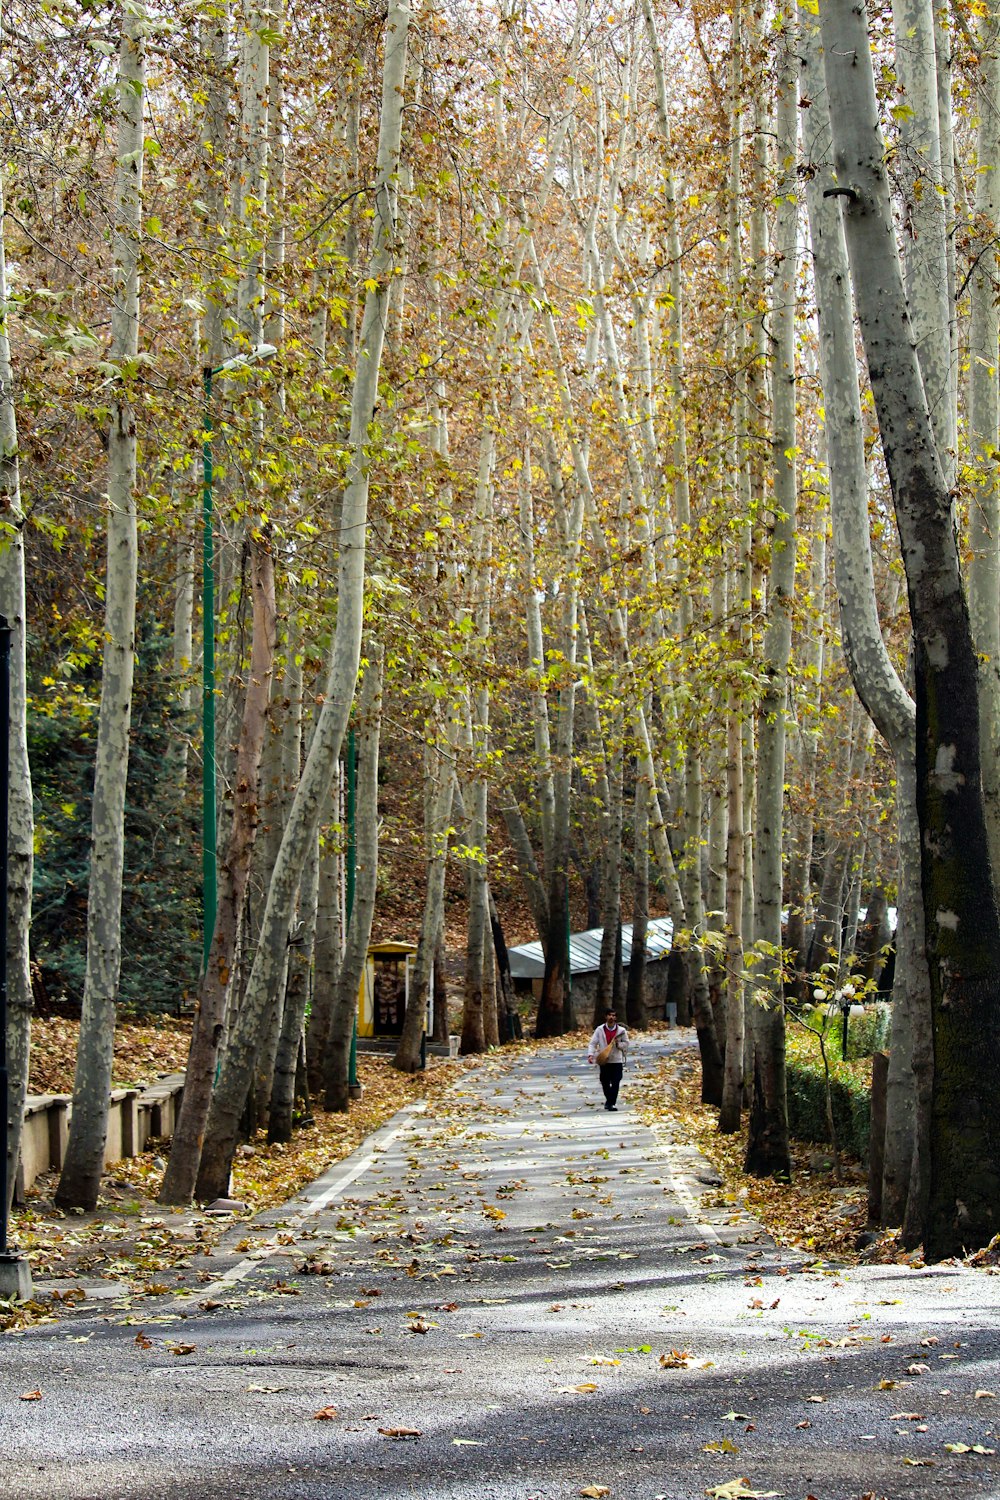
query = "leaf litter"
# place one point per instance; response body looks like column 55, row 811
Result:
column 133, row 1240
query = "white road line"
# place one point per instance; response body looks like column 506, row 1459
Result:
column 375, row 1144
column 687, row 1199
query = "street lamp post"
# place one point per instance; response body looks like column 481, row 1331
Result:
column 208, row 804
column 15, row 1275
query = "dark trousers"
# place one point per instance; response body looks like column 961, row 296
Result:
column 611, row 1077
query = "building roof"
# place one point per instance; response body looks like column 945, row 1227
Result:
column 528, row 961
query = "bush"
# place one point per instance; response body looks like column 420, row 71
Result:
column 850, row 1092
column 869, row 1033
column 161, row 897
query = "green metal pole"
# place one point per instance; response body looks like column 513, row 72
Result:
column 208, row 810
column 353, row 1086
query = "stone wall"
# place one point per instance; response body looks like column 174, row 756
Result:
column 135, row 1116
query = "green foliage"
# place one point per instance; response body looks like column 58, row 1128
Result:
column 869, row 1033
column 866, row 1034
column 161, row 901
column 850, row 1089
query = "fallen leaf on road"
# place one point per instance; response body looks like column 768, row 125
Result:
column 34, row 1395
column 736, row 1416
column 401, row 1432
column 181, row 1348
column 887, row 1385
column 142, row 1342
column 584, row 1389
column 677, row 1359
column 594, row 1491
column 918, row 1369
column 325, row 1414
column 985, row 1396
column 720, row 1446
column 906, row 1416
column 919, row 1463
column 967, row 1448
column 801, row 1426
column 815, row 1398
column 601, row 1359
column 739, row 1489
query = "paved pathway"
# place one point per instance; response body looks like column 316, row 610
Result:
column 537, row 1291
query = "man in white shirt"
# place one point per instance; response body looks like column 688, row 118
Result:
column 608, row 1047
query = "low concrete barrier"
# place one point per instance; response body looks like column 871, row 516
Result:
column 134, row 1117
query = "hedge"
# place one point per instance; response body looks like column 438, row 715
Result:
column 850, row 1083
column 851, row 1099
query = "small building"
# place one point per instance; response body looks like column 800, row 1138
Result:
column 527, row 965
column 384, row 992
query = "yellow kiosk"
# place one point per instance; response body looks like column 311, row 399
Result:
column 384, row 991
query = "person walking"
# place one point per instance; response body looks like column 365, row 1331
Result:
column 608, row 1048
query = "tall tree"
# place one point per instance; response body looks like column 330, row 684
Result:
column 962, row 925
column 311, row 794
column 20, row 820
column 767, row 1146
column 80, row 1181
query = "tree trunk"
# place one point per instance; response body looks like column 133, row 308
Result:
column 960, row 909
column 20, row 819
column 609, row 971
column 925, row 208
column 282, row 1106
column 635, row 993
column 289, row 769
column 767, row 1148
column 507, row 1024
column 798, row 896
column 439, row 988
column 329, row 939
column 359, row 927
column 732, row 1083
column 314, row 784
column 524, row 857
column 407, row 1058
column 984, row 426
column 81, row 1175
column 872, row 672
column 209, row 1027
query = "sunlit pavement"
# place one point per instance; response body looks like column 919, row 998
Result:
column 522, row 1295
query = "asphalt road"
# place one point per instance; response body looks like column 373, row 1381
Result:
column 516, row 1297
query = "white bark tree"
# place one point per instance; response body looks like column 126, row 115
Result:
column 20, row 818
column 80, row 1181
column 767, row 1148
column 310, row 796
column 962, row 926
